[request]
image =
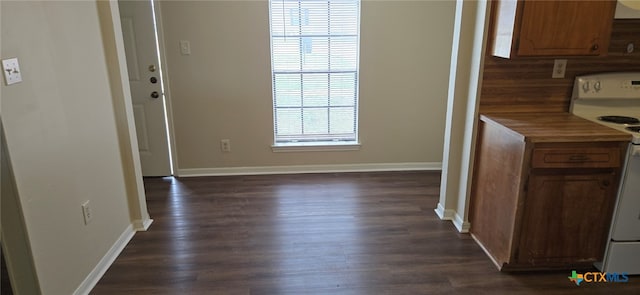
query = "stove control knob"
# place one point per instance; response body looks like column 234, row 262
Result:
column 585, row 86
column 597, row 86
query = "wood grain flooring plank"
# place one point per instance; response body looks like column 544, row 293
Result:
column 334, row 233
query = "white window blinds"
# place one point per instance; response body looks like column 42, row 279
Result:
column 314, row 57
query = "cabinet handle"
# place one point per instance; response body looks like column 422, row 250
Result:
column 578, row 158
column 594, row 47
column 605, row 183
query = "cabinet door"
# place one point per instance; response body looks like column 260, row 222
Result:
column 566, row 218
column 565, row 27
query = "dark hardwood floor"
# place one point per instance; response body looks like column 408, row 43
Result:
column 349, row 233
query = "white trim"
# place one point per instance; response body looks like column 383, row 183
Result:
column 298, row 169
column 98, row 271
column 123, row 106
column 457, row 220
column 142, row 225
column 444, row 214
column 461, row 225
column 465, row 81
column 314, row 147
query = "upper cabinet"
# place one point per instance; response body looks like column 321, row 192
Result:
column 551, row 28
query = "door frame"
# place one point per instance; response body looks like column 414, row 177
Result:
column 109, row 15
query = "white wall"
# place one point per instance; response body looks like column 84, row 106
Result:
column 223, row 89
column 15, row 243
column 61, row 135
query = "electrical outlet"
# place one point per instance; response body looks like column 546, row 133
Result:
column 559, row 68
column 86, row 212
column 185, row 47
column 225, row 145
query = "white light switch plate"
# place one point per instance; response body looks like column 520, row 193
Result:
column 11, row 70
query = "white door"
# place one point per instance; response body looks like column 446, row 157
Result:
column 138, row 31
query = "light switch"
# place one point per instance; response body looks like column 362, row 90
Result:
column 185, row 47
column 11, row 71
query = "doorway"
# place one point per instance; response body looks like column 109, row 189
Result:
column 142, row 50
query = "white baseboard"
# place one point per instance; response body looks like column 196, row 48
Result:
column 96, row 274
column 450, row 214
column 298, row 169
column 444, row 214
column 461, row 225
column 142, row 225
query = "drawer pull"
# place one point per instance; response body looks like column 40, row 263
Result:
column 578, row 158
column 590, row 157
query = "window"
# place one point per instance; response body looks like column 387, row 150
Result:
column 314, row 58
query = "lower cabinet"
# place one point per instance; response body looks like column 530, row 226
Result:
column 542, row 204
column 565, row 217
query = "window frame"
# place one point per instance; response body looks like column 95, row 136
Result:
column 328, row 141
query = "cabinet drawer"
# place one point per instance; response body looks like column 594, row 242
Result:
column 575, row 157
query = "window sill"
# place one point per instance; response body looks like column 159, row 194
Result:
column 315, row 147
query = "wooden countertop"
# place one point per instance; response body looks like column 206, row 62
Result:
column 554, row 127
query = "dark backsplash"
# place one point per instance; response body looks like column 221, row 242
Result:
column 525, row 84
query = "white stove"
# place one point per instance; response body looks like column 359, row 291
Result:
column 612, row 95
column 613, row 100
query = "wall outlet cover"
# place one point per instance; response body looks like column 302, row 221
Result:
column 225, row 145
column 559, row 68
column 185, row 47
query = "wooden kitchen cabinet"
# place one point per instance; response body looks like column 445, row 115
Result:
column 576, row 209
column 551, row 28
column 543, row 191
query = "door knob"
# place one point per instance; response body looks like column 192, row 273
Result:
column 153, row 80
column 155, row 94
column 152, row 68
